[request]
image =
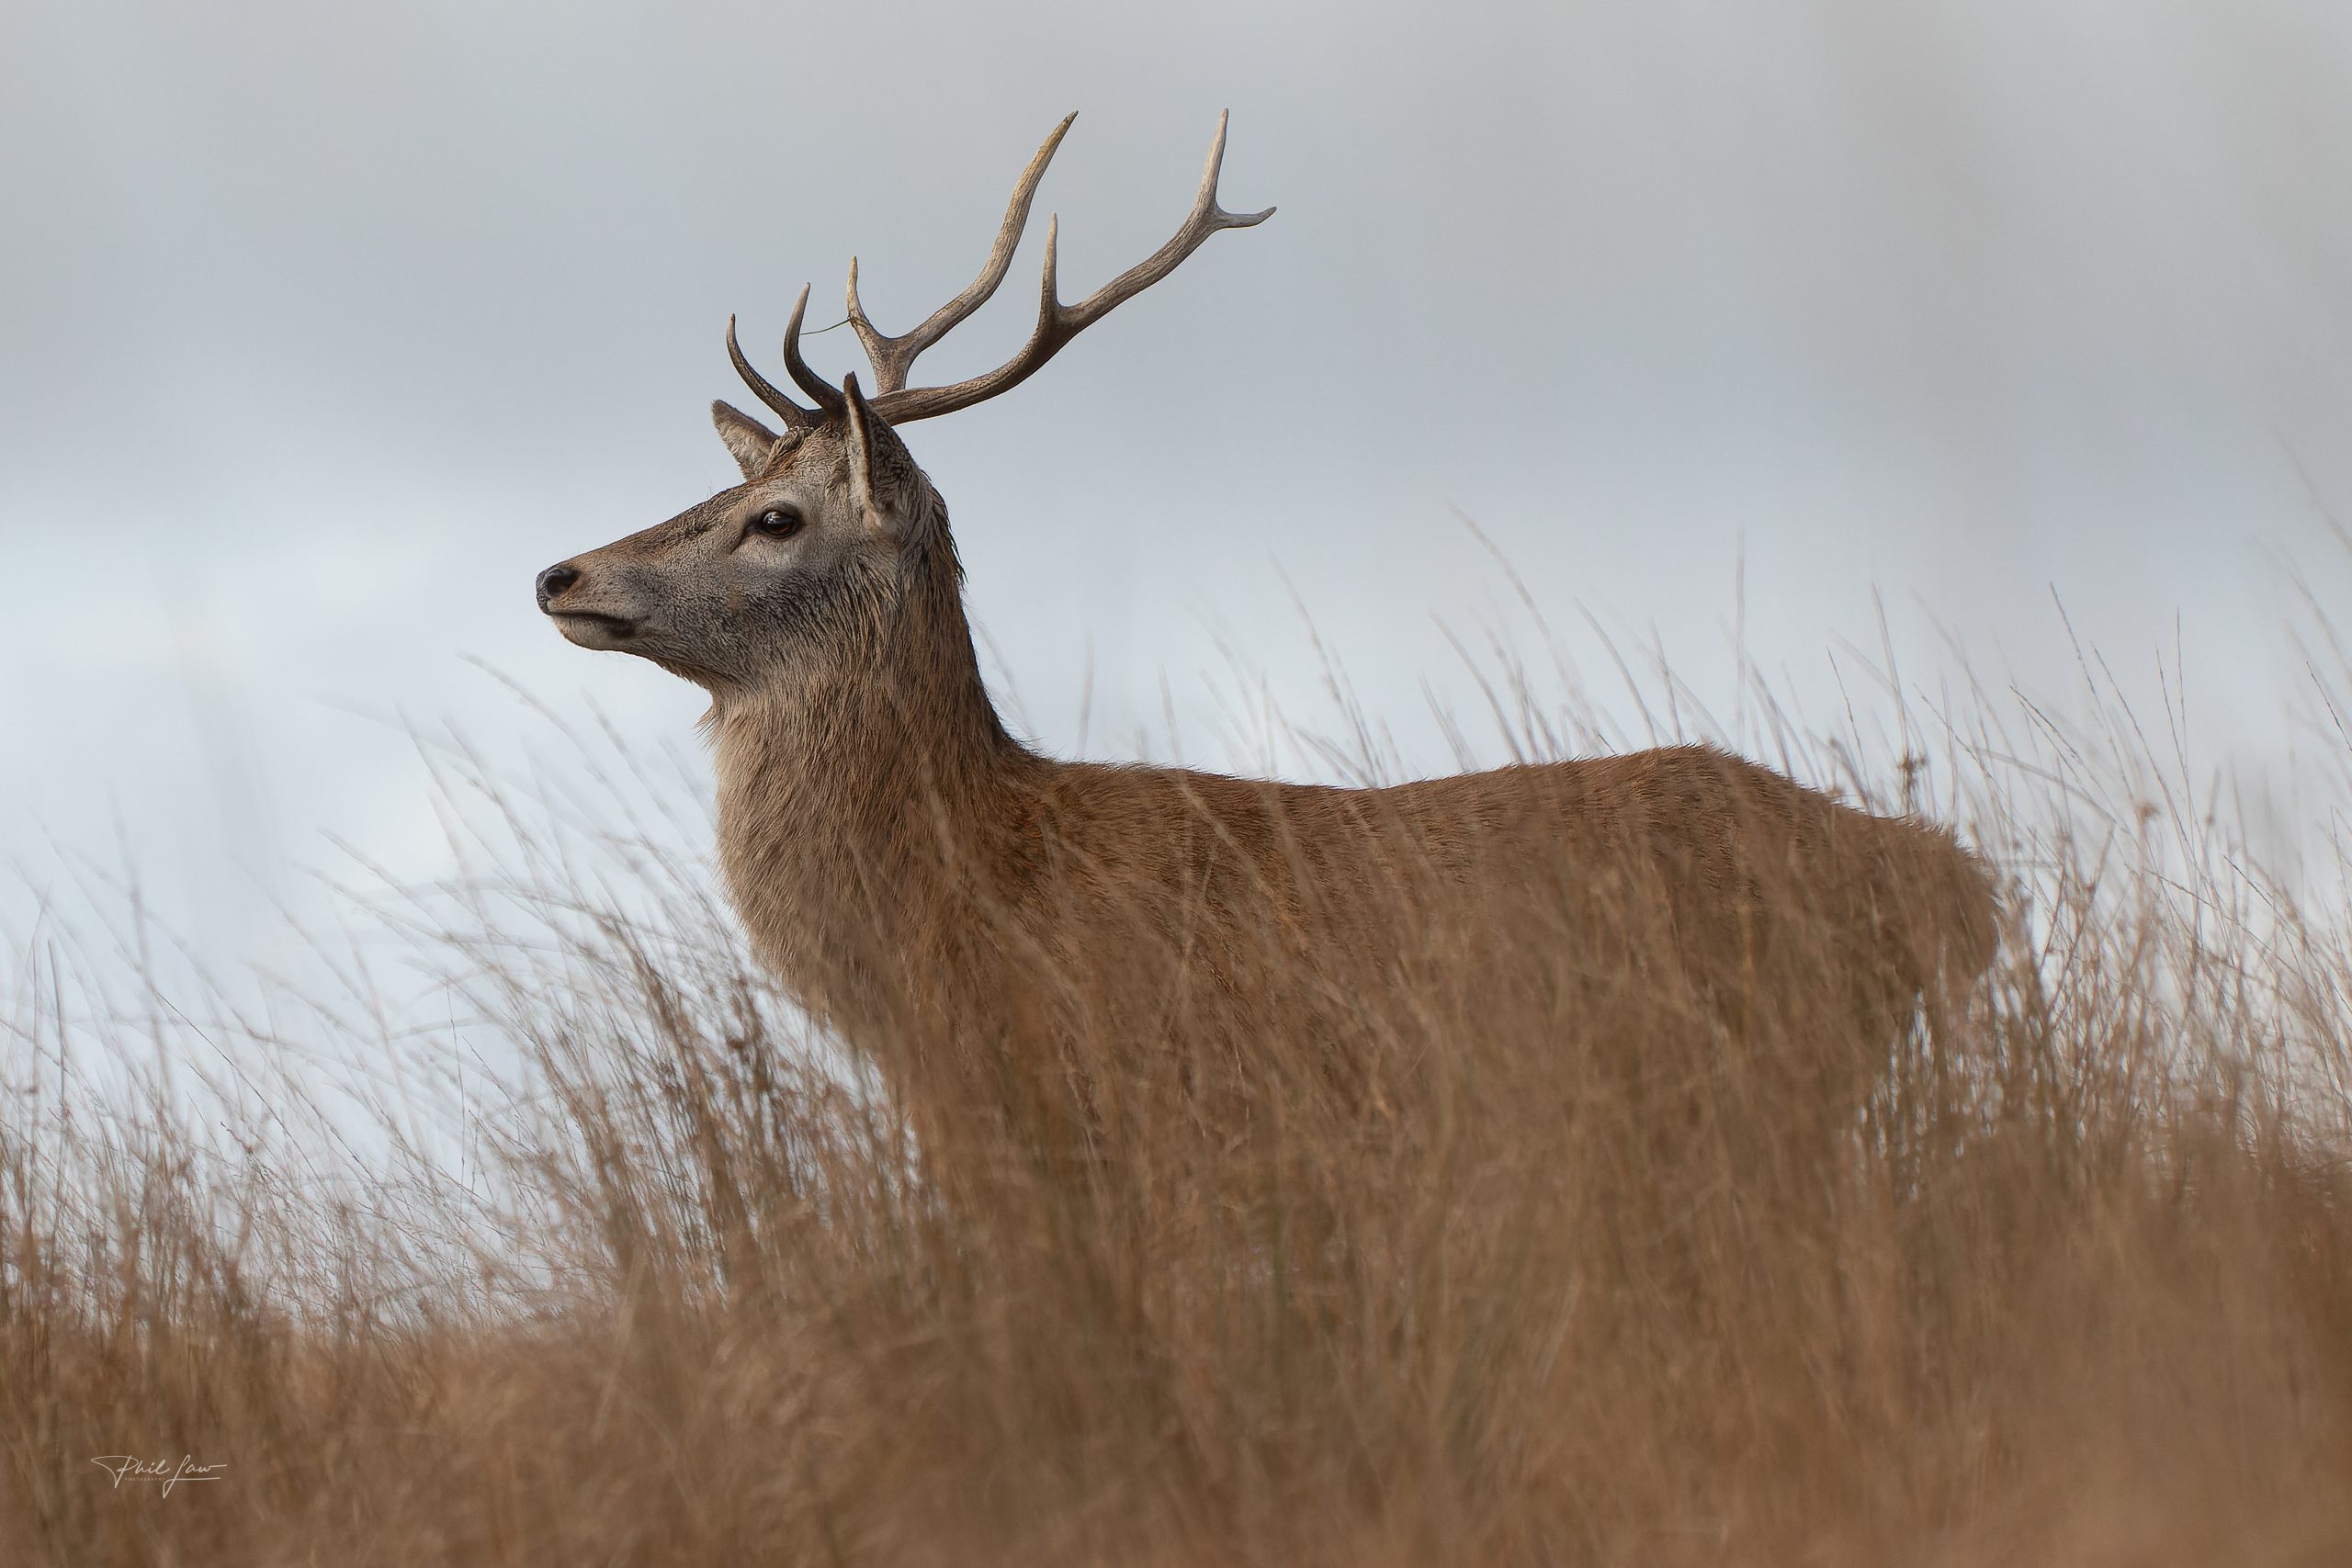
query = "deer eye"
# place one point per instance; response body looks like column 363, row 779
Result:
column 777, row 522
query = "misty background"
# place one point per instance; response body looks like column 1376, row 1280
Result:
column 323, row 328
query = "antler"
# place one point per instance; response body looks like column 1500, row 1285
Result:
column 829, row 402
column 828, row 396
column 794, row 417
column 892, row 358
column 1057, row 323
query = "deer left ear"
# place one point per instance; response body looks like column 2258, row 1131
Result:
column 865, row 433
column 751, row 444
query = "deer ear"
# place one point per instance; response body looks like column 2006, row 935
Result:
column 753, row 444
column 863, row 429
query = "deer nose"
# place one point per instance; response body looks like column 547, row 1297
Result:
column 554, row 580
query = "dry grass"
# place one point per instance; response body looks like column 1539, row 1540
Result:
column 1580, row 1273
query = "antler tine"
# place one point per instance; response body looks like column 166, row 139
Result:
column 892, row 358
column 828, row 396
column 794, row 417
column 1058, row 322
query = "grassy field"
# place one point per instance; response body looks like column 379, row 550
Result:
column 1598, row 1279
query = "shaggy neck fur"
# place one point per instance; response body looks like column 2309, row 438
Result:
column 855, row 794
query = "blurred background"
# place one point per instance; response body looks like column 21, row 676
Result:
column 1985, row 339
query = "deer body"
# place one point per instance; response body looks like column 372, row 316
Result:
column 913, row 872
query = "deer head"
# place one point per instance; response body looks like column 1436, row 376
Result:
column 834, row 524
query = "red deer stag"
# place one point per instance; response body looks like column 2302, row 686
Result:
column 899, row 857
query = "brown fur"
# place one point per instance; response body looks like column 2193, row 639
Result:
column 919, row 878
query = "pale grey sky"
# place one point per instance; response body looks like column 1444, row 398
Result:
column 323, row 327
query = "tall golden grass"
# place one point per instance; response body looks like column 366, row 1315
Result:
column 1575, row 1271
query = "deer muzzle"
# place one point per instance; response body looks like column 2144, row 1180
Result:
column 572, row 607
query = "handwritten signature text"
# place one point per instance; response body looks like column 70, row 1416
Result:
column 122, row 1466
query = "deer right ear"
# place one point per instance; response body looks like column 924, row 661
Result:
column 753, row 444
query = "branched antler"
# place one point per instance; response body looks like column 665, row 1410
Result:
column 1058, row 322
column 894, row 357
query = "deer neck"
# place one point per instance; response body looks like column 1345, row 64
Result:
column 861, row 796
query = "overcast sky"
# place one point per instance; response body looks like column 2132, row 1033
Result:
column 322, row 327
